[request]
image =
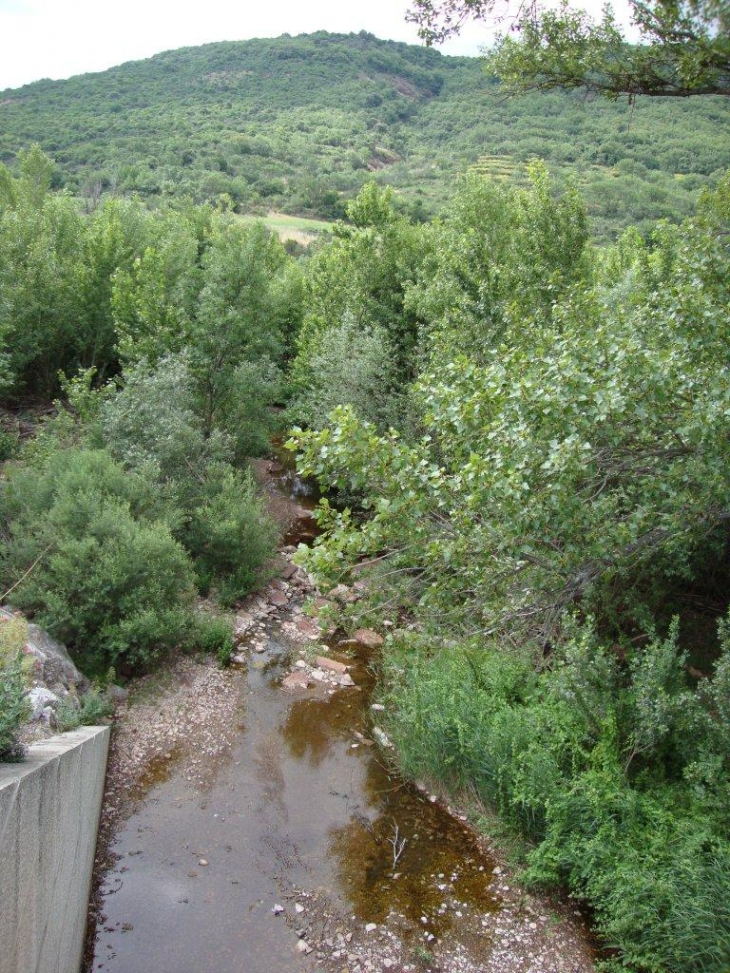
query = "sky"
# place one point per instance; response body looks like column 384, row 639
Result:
column 60, row 38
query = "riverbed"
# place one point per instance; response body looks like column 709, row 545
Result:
column 259, row 829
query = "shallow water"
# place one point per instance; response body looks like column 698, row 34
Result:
column 302, row 811
column 295, row 807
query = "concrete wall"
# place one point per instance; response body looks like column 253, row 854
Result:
column 49, row 814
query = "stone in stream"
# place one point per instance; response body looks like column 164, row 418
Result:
column 332, row 665
column 289, row 571
column 296, row 680
column 305, row 626
column 278, row 598
column 368, row 638
column 382, row 738
column 242, row 624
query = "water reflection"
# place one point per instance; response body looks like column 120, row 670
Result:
column 406, row 856
column 396, row 852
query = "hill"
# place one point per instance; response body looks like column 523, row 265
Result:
column 299, row 123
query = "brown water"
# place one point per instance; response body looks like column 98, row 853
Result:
column 302, row 811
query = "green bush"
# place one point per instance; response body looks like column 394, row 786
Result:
column 8, row 444
column 151, row 423
column 617, row 772
column 14, row 708
column 215, row 636
column 107, row 577
column 350, row 364
column 230, row 536
column 152, row 427
column 92, row 709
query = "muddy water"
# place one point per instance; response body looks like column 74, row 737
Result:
column 301, row 813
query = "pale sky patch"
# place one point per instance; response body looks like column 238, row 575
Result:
column 60, row 38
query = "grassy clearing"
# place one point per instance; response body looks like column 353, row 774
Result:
column 298, row 228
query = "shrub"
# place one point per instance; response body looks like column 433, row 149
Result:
column 91, row 709
column 108, row 579
column 215, row 635
column 13, row 710
column 230, row 536
column 245, row 412
column 151, row 422
column 355, row 365
column 14, row 707
column 151, row 425
column 617, row 771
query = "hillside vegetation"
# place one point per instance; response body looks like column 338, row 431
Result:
column 522, row 437
column 299, row 123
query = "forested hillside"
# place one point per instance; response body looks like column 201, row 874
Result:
column 299, row 123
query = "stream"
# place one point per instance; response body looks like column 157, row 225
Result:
column 299, row 848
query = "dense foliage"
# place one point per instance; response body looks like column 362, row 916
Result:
column 300, row 123
column 172, row 329
column 552, row 522
column 13, row 682
column 530, row 435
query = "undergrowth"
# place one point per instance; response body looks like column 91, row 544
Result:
column 615, row 771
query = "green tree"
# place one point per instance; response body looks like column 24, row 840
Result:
column 56, row 272
column 498, row 263
column 583, row 457
column 685, row 47
column 244, row 319
column 355, row 301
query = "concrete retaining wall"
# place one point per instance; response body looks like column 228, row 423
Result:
column 49, row 814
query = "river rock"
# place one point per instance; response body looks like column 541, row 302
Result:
column 40, row 699
column 332, row 665
column 382, row 737
column 289, row 571
column 57, row 666
column 305, row 626
column 368, row 638
column 343, row 594
column 242, row 625
column 278, row 598
column 116, row 695
column 296, row 680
